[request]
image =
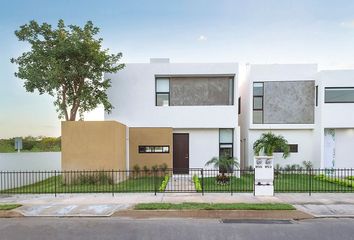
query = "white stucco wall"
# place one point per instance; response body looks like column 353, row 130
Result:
column 204, row 145
column 28, row 164
column 133, row 96
column 344, row 144
column 335, row 115
column 301, row 137
column 36, row 161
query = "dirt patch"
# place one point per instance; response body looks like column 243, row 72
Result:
column 10, row 214
column 219, row 214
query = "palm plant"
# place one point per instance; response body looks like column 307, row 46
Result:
column 269, row 142
column 224, row 164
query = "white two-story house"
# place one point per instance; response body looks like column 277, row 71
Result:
column 313, row 110
column 182, row 114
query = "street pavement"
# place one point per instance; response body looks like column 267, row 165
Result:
column 165, row 229
column 318, row 204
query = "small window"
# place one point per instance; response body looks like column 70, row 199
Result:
column 258, row 116
column 226, row 143
column 239, row 105
column 339, row 95
column 316, row 92
column 292, row 147
column 154, row 149
column 257, row 103
column 162, row 92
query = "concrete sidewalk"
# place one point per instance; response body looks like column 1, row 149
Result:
column 319, row 204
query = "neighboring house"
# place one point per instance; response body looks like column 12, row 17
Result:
column 313, row 111
column 181, row 114
column 335, row 114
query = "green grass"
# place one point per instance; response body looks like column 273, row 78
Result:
column 4, row 207
column 213, row 206
column 282, row 183
column 241, row 184
column 302, row 183
column 55, row 184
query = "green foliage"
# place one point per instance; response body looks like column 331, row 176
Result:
column 136, row 169
column 340, row 181
column 66, row 62
column 154, row 168
column 4, row 207
column 164, row 183
column 223, row 163
column 307, row 164
column 94, row 178
column 197, row 184
column 163, row 167
column 32, row 144
column 269, row 142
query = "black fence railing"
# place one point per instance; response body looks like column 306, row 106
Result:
column 314, row 180
column 173, row 180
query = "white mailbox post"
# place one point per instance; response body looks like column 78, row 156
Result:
column 264, row 176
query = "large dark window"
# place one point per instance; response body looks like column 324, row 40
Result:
column 226, row 143
column 293, row 149
column 339, row 95
column 162, row 92
column 154, row 149
column 258, row 102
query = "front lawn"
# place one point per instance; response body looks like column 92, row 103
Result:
column 55, row 185
column 213, row 206
column 4, row 207
column 286, row 182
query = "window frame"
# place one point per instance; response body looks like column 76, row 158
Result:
column 168, row 93
column 336, row 88
column 258, row 96
column 153, row 146
column 294, row 150
column 232, row 143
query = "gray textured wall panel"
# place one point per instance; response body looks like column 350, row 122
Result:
column 194, row 91
column 289, row 102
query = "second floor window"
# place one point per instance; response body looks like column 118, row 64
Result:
column 339, row 95
column 162, row 92
column 258, row 94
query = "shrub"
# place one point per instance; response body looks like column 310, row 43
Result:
column 307, row 164
column 163, row 167
column 89, row 178
column 154, row 168
column 164, row 183
column 222, row 179
column 197, row 185
column 146, row 170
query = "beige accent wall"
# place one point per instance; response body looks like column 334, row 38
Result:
column 149, row 137
column 93, row 145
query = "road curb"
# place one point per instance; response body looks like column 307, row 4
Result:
column 215, row 214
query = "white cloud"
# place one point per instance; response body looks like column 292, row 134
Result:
column 202, row 38
column 347, row 24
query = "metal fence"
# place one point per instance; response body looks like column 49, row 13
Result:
column 314, row 180
column 173, row 180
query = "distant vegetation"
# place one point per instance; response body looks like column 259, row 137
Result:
column 32, row 144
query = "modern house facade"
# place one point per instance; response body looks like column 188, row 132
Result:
column 181, row 114
column 307, row 107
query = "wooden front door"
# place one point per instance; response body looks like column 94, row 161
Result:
column 181, row 153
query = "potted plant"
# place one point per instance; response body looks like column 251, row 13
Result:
column 224, row 164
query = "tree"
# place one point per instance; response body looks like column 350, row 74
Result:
column 269, row 142
column 67, row 63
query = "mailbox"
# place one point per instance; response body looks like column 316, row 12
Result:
column 264, row 176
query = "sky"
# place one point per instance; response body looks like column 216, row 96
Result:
column 252, row 31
